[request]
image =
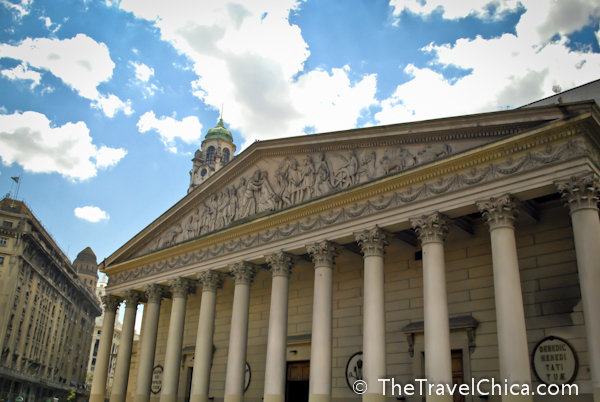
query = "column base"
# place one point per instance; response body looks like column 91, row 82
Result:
column 117, row 397
column 97, row 397
column 167, row 398
column 273, row 398
column 198, row 398
column 517, row 398
column 233, row 398
column 141, row 398
column 439, row 398
column 319, row 398
column 374, row 398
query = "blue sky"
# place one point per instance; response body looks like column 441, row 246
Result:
column 102, row 104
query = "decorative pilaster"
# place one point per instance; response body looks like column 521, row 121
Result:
column 581, row 194
column 154, row 296
column 372, row 241
column 281, row 264
column 432, row 228
column 210, row 280
column 323, row 254
column 499, row 211
column 111, row 304
column 243, row 272
column 501, row 216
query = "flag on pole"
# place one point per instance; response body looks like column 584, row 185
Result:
column 15, row 178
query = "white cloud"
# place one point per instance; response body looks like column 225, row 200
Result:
column 454, row 9
column 142, row 71
column 189, row 130
column 91, row 214
column 111, row 104
column 80, row 62
column 30, row 140
column 508, row 71
column 251, row 59
column 22, row 72
column 22, row 7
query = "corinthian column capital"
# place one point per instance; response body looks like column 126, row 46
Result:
column 372, row 241
column 580, row 192
column 432, row 228
column 132, row 297
column 155, row 293
column 323, row 253
column 281, row 263
column 111, row 302
column 243, row 272
column 181, row 287
column 499, row 211
column 210, row 280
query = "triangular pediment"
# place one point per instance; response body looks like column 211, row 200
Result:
column 272, row 176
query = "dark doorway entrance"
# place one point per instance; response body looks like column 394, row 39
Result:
column 298, row 374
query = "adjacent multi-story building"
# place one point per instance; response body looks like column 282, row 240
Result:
column 47, row 314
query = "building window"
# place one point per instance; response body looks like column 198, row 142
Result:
column 225, row 155
column 1, row 260
column 3, row 242
column 210, row 154
column 8, row 224
column 203, row 172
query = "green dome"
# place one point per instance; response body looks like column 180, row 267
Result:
column 219, row 133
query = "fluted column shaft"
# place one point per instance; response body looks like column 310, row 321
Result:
column 501, row 215
column 243, row 275
column 180, row 289
column 432, row 230
column 281, row 265
column 154, row 294
column 121, row 379
column 581, row 194
column 373, row 243
column 98, row 392
column 210, row 282
column 323, row 255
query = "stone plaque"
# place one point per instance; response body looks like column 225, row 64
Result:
column 555, row 361
column 354, row 369
column 157, row 375
column 247, row 377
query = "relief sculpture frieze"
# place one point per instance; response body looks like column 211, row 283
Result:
column 292, row 181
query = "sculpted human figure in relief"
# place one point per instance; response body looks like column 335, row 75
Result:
column 258, row 196
column 322, row 182
column 307, row 180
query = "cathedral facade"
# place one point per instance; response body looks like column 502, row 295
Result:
column 358, row 264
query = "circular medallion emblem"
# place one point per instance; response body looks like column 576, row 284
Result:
column 354, row 369
column 554, row 361
column 157, row 375
column 247, row 377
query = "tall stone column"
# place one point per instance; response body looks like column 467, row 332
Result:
column 581, row 195
column 281, row 264
column 180, row 288
column 98, row 392
column 323, row 255
column 119, row 389
column 501, row 215
column 373, row 242
column 210, row 281
column 432, row 230
column 243, row 275
column 154, row 294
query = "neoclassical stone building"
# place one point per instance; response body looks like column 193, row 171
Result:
column 449, row 250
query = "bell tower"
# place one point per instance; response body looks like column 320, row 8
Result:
column 216, row 151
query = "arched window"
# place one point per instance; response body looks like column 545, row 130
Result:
column 203, row 172
column 225, row 155
column 210, row 154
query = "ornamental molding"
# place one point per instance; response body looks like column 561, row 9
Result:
column 155, row 293
column 281, row 263
column 181, row 287
column 580, row 192
column 372, row 241
column 499, row 211
column 243, row 272
column 415, row 186
column 210, row 280
column 432, row 228
column 323, row 253
column 111, row 303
